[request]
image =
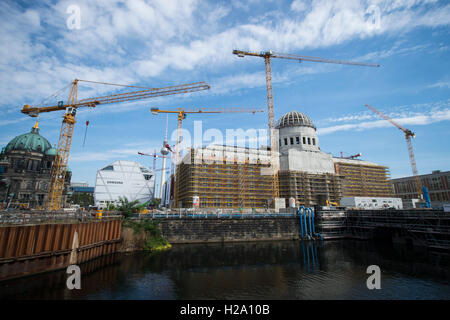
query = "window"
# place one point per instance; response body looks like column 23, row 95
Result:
column 304, row 140
column 314, row 141
column 110, row 168
column 285, row 141
column 279, row 142
column 292, row 140
column 309, row 140
column 297, row 140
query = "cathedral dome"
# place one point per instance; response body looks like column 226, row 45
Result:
column 51, row 152
column 31, row 141
column 295, row 119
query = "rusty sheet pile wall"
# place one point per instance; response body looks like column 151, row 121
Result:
column 38, row 248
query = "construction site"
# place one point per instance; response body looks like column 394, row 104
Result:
column 291, row 171
column 217, row 183
column 288, row 189
column 233, row 177
column 192, row 151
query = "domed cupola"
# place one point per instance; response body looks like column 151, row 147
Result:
column 297, row 131
column 32, row 142
column 295, row 119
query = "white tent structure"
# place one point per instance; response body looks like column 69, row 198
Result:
column 123, row 179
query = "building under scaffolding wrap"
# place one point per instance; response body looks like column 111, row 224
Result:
column 225, row 177
column 233, row 177
column 363, row 178
column 307, row 189
column 306, row 173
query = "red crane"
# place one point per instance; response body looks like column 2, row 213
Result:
column 408, row 135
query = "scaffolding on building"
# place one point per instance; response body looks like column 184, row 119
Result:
column 224, row 184
column 362, row 180
column 308, row 188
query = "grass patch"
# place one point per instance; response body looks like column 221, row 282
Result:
column 157, row 244
column 156, row 241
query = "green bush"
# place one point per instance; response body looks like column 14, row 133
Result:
column 156, row 241
column 126, row 207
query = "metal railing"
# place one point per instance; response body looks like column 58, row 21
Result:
column 186, row 214
column 34, row 217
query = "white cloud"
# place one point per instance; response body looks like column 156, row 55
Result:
column 396, row 50
column 440, row 84
column 299, row 5
column 137, row 41
column 11, row 121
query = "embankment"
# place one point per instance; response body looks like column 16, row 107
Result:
column 200, row 230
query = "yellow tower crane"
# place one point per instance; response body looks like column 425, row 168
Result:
column 58, row 171
column 181, row 113
column 408, row 135
column 267, row 55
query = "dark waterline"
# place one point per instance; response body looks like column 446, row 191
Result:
column 258, row 270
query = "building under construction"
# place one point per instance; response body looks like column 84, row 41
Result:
column 234, row 177
column 225, row 177
column 363, row 178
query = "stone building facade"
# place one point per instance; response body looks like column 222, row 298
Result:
column 25, row 168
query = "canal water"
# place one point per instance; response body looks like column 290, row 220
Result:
column 254, row 270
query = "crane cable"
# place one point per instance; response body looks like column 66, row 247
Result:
column 85, row 132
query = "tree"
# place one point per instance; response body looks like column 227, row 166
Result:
column 126, row 207
column 156, row 202
column 82, row 199
column 110, row 206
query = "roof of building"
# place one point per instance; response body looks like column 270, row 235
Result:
column 51, row 152
column 294, row 119
column 356, row 162
column 435, row 173
column 82, row 189
column 31, row 141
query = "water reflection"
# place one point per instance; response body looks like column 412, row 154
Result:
column 259, row 270
column 309, row 254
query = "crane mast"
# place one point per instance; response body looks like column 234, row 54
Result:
column 408, row 135
column 274, row 159
column 181, row 115
column 59, row 168
column 267, row 55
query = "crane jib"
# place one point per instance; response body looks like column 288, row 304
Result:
column 120, row 97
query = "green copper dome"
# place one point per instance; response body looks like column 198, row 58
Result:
column 31, row 141
column 51, row 152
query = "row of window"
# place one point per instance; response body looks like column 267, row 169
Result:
column 30, row 185
column 305, row 140
column 31, row 165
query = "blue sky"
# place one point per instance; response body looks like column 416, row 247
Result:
column 163, row 43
